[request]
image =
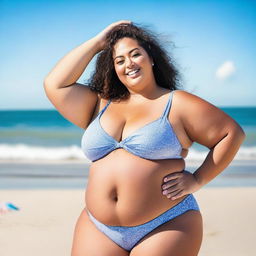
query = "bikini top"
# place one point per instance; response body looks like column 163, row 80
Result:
column 155, row 140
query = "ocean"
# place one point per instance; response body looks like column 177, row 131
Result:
column 45, row 136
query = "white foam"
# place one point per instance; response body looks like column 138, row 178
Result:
column 27, row 152
column 244, row 153
column 73, row 152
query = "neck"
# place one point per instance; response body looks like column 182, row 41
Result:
column 149, row 92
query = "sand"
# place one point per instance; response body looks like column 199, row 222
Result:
column 45, row 223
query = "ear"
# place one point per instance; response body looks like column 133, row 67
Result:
column 152, row 61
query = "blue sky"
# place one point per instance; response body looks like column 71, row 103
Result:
column 215, row 44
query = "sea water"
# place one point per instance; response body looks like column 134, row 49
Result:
column 44, row 136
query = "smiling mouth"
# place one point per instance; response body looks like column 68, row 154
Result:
column 130, row 73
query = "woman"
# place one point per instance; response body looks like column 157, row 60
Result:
column 138, row 129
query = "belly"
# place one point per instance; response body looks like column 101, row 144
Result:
column 125, row 190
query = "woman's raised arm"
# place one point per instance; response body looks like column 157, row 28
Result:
column 74, row 101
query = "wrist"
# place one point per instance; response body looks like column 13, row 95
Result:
column 99, row 43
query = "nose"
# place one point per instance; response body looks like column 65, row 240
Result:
column 129, row 63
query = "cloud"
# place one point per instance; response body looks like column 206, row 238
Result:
column 225, row 70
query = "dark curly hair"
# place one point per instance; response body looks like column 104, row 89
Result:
column 104, row 79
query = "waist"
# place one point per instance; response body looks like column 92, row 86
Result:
column 126, row 190
column 188, row 202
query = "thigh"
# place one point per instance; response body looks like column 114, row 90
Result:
column 181, row 236
column 89, row 241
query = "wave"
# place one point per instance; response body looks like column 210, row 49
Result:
column 244, row 153
column 74, row 152
column 28, row 152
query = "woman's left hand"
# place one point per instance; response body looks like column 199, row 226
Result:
column 179, row 184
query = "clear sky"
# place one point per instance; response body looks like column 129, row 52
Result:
column 215, row 44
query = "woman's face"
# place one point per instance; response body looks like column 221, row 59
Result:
column 132, row 64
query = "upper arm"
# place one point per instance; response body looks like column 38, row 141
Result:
column 76, row 102
column 204, row 123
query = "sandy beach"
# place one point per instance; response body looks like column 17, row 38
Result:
column 45, row 223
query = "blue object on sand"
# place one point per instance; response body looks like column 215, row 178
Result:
column 11, row 206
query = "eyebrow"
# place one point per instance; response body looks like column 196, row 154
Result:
column 128, row 52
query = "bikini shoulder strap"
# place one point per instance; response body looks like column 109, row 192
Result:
column 168, row 105
column 102, row 111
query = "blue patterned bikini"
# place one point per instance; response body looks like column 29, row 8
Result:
column 155, row 140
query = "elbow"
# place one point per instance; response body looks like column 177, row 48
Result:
column 49, row 84
column 238, row 134
column 45, row 83
column 242, row 134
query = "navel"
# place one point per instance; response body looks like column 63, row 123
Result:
column 114, row 195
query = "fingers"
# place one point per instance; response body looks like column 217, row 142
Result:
column 119, row 23
column 175, row 195
column 169, row 184
column 122, row 22
column 174, row 185
column 179, row 184
column 173, row 176
column 171, row 189
column 101, row 37
column 174, row 192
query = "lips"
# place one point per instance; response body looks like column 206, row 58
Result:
column 133, row 72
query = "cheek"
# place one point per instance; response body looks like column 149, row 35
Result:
column 119, row 71
column 144, row 61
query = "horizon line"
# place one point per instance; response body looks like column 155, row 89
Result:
column 43, row 109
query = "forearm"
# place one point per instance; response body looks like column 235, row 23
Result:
column 219, row 157
column 68, row 69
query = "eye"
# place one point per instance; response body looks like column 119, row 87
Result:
column 136, row 54
column 119, row 62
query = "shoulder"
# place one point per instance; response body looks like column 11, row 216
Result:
column 184, row 95
column 187, row 100
column 101, row 103
column 191, row 108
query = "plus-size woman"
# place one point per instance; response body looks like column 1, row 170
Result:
column 138, row 130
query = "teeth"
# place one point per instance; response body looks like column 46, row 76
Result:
column 132, row 72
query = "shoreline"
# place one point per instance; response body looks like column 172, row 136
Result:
column 86, row 161
column 74, row 174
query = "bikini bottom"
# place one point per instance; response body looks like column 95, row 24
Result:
column 128, row 236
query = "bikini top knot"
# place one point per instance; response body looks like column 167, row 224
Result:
column 155, row 140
